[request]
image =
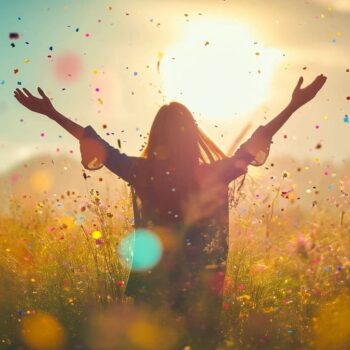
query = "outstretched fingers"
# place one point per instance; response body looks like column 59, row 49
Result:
column 20, row 96
column 20, row 93
column 300, row 82
column 20, row 99
column 320, row 80
column 41, row 92
column 27, row 92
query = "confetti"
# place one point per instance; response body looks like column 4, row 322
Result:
column 96, row 235
column 13, row 36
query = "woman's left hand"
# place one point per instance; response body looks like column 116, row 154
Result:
column 301, row 96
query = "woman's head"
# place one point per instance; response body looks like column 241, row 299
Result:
column 177, row 144
column 175, row 137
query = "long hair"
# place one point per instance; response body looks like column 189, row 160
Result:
column 176, row 139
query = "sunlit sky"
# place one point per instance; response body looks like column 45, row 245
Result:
column 230, row 62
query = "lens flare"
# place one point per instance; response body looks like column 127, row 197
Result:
column 143, row 248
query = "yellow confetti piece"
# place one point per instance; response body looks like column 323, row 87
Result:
column 96, row 234
column 26, row 60
column 160, row 55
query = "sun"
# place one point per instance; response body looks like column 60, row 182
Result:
column 218, row 70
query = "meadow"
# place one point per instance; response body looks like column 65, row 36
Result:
column 287, row 283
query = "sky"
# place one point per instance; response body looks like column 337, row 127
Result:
column 113, row 64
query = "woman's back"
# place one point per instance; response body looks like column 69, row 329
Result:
column 158, row 186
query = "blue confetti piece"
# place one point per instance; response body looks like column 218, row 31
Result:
column 2, row 82
column 346, row 118
column 21, row 313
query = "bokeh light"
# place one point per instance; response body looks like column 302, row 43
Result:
column 41, row 331
column 41, row 181
column 143, row 248
column 126, row 326
column 68, row 67
column 331, row 325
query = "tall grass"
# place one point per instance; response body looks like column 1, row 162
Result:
column 285, row 270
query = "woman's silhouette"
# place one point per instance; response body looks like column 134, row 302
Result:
column 180, row 185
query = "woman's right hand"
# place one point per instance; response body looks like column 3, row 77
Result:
column 40, row 105
column 301, row 96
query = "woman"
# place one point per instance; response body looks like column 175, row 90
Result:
column 180, row 186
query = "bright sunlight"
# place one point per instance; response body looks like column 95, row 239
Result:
column 218, row 69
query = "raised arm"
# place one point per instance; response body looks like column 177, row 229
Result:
column 299, row 98
column 262, row 137
column 256, row 150
column 44, row 106
column 95, row 152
